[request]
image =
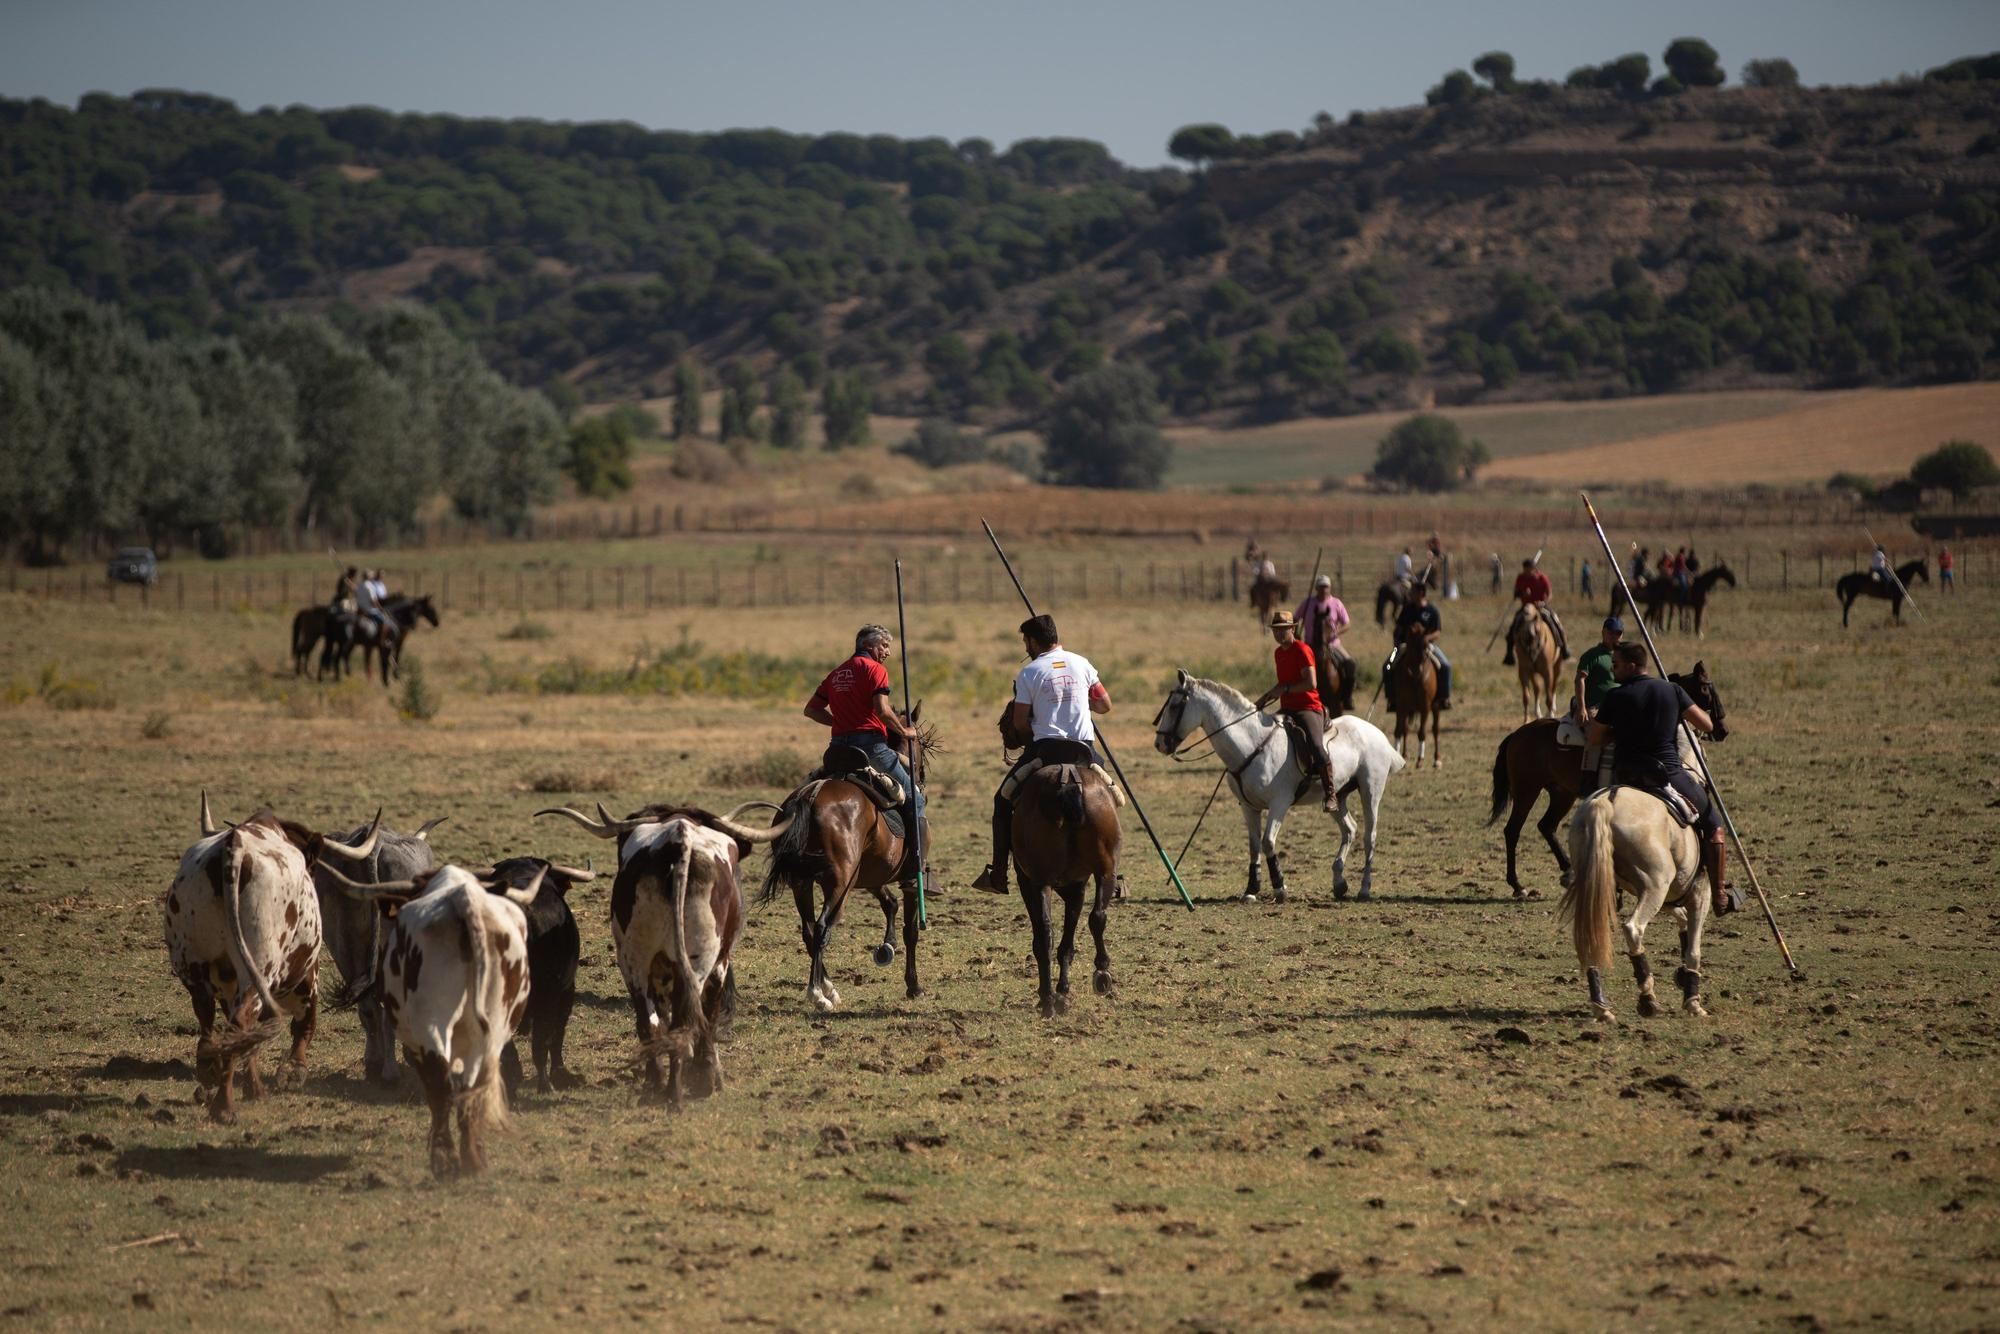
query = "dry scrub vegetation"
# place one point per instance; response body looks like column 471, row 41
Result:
column 1393, row 1113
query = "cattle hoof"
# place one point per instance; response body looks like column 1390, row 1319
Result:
column 884, row 955
column 1100, row 982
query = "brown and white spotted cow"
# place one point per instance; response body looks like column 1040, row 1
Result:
column 243, row 931
column 452, row 974
column 676, row 913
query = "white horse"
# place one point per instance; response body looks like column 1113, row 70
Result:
column 1265, row 776
column 1622, row 838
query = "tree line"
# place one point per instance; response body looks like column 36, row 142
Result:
column 298, row 419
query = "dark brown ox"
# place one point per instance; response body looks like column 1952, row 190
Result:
column 243, row 931
column 676, row 914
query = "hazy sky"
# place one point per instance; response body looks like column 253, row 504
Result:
column 1124, row 72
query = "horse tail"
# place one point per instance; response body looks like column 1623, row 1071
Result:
column 1593, row 883
column 1502, row 789
column 789, row 853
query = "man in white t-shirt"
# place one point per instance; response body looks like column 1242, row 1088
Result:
column 1054, row 696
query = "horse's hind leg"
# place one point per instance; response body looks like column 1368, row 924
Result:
column 1038, row 925
column 1100, row 978
column 885, row 953
column 1072, row 897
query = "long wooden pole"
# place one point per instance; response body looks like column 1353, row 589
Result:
column 916, row 752
column 1102, row 740
column 1721, row 806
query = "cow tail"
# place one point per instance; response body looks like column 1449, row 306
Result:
column 1593, row 883
column 482, row 1100
column 1502, row 790
column 239, row 948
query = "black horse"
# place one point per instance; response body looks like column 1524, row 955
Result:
column 1660, row 594
column 1863, row 584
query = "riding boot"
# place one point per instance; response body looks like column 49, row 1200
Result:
column 994, row 878
column 1725, row 898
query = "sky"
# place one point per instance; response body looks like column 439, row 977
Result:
column 1127, row 73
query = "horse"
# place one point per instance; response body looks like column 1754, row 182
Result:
column 1624, row 838
column 839, row 842
column 1661, row 591
column 1535, row 662
column 1412, row 690
column 1530, row 761
column 1065, row 832
column 1257, row 752
column 1860, row 584
column 1268, row 593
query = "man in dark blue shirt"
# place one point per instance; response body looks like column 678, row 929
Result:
column 1419, row 613
column 1644, row 716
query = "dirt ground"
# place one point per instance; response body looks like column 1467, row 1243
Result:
column 1397, row 1113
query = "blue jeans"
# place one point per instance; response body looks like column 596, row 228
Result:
column 883, row 756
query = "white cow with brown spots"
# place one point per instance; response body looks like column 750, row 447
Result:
column 243, row 931
column 452, row 973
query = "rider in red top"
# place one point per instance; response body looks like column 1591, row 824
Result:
column 1298, row 699
column 1532, row 586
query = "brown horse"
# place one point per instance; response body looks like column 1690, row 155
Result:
column 839, row 843
column 1412, row 691
column 1529, row 763
column 1066, row 832
column 1535, row 663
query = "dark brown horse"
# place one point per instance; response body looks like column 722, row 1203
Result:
column 839, row 842
column 1529, row 763
column 1412, row 691
column 1066, row 832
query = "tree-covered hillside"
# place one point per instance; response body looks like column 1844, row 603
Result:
column 1611, row 232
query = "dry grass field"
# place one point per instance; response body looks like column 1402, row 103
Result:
column 1395, row 1113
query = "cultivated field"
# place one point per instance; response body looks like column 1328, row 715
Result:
column 1396, row 1113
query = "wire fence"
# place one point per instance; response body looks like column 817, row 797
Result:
column 799, row 583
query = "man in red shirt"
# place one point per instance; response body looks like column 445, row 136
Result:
column 1532, row 586
column 853, row 700
column 1298, row 699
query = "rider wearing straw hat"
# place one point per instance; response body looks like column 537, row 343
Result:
column 1298, row 699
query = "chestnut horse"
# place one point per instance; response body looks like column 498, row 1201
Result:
column 1412, row 691
column 1529, row 763
column 842, row 843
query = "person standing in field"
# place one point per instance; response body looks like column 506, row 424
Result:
column 1054, row 696
column 853, row 700
column 1946, row 562
column 1299, row 700
column 1320, row 621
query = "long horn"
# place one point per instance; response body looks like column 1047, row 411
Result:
column 749, row 835
column 364, row 847
column 424, row 829
column 207, row 820
column 355, row 889
column 609, row 829
column 523, row 897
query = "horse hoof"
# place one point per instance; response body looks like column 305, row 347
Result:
column 1100, row 982
column 883, row 955
column 1648, row 1007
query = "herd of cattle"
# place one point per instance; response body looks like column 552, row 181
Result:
column 449, row 960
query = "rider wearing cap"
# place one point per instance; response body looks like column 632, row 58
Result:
column 1298, row 700
column 1643, row 715
column 853, row 700
column 1054, row 696
column 1532, row 586
column 1319, row 621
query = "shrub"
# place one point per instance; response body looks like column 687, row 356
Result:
column 1428, row 453
column 1958, row 466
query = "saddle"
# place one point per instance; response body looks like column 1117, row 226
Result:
column 851, row 763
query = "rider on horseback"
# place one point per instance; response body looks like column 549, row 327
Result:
column 1320, row 620
column 853, row 700
column 1420, row 617
column 1532, row 586
column 1054, row 696
column 1643, row 715
column 1299, row 701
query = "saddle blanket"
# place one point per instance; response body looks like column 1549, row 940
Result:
column 1014, row 780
